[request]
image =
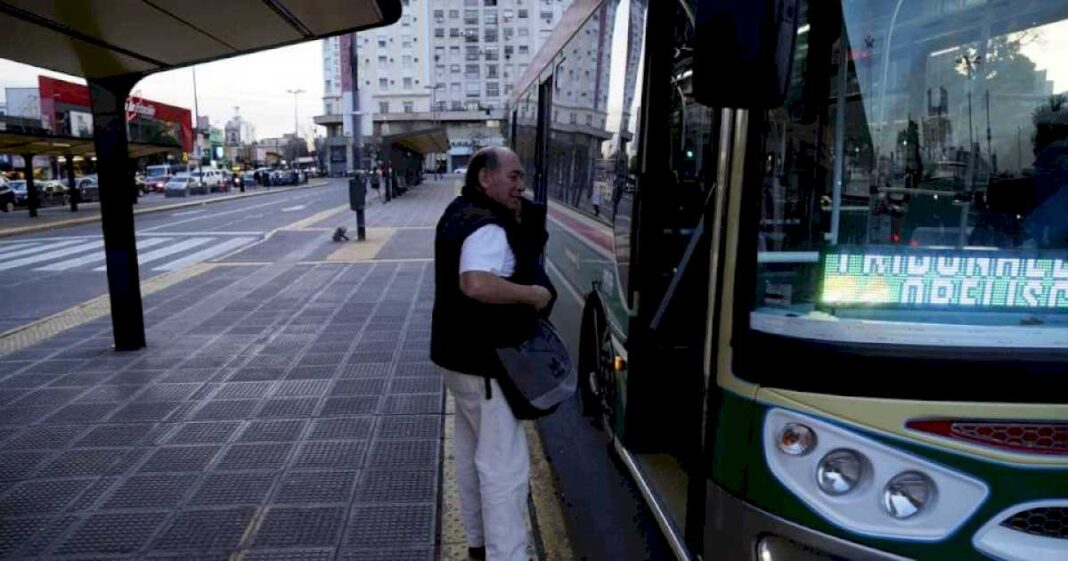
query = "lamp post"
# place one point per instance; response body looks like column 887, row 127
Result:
column 296, row 126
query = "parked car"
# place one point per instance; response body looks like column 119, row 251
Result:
column 88, row 189
column 183, row 186
column 249, row 177
column 156, row 184
column 7, row 196
column 460, row 171
column 212, row 178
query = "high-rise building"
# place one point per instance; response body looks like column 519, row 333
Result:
column 448, row 63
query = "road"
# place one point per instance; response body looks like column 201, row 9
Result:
column 45, row 273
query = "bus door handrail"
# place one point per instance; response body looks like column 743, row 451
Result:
column 684, row 263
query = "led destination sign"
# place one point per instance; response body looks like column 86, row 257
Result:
column 960, row 280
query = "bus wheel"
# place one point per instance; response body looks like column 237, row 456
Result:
column 606, row 382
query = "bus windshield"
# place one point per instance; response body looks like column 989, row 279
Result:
column 914, row 184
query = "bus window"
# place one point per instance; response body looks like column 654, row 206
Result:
column 917, row 176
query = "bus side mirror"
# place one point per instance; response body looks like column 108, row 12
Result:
column 744, row 52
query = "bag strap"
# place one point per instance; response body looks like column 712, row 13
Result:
column 489, row 389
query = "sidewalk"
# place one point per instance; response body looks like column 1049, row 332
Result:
column 52, row 217
column 282, row 411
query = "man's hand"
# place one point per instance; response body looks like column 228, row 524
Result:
column 540, row 297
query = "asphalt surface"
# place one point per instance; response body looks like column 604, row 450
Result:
column 43, row 273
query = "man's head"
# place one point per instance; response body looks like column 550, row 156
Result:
column 497, row 173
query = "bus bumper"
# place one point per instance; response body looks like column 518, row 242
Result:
column 736, row 530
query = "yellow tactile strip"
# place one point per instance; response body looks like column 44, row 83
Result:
column 353, row 251
column 35, row 332
column 307, row 223
column 547, row 510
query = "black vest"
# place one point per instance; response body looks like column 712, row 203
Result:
column 465, row 332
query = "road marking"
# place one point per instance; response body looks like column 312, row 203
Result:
column 188, row 212
column 50, row 255
column 315, row 218
column 205, row 254
column 293, row 208
column 95, row 256
column 158, row 254
column 34, row 249
column 215, row 215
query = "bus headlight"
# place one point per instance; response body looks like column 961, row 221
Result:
column 796, row 439
column 839, row 472
column 907, row 494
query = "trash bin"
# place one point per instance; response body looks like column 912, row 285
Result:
column 357, row 193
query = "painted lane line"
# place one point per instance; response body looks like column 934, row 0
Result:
column 167, row 251
column 205, row 254
column 293, row 208
column 35, row 249
column 207, row 233
column 95, row 256
column 48, row 256
column 215, row 215
column 188, row 212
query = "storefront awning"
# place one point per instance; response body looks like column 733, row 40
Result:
column 100, row 38
column 425, row 141
column 47, row 145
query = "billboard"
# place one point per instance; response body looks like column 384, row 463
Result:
column 63, row 103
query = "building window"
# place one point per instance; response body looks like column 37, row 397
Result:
column 406, row 41
column 471, row 71
column 382, row 61
column 406, row 61
column 453, row 14
column 454, row 53
column 409, row 107
column 489, row 18
column 454, row 88
column 383, row 84
column 524, row 32
column 508, row 51
column 472, row 89
column 383, row 107
column 490, row 3
column 547, row 17
column 492, row 89
column 454, row 69
column 407, row 83
column 471, row 3
column 439, row 71
column 492, row 53
column 439, row 53
column 509, row 70
column 406, row 20
column 491, row 71
column 508, row 15
column 454, row 32
column 524, row 50
column 471, row 35
column 457, row 105
column 327, row 85
column 523, row 14
column 507, row 89
column 471, row 53
column 439, row 32
column 381, row 42
column 439, row 15
column 470, row 17
column 508, row 33
column 491, row 35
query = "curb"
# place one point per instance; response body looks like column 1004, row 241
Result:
column 19, row 230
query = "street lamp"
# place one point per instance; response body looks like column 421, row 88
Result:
column 296, row 126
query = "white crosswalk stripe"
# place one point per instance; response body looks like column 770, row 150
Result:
column 158, row 254
column 96, row 256
column 50, row 255
column 33, row 248
column 205, row 254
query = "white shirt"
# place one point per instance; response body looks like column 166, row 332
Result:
column 487, row 250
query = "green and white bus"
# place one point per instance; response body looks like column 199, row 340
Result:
column 813, row 266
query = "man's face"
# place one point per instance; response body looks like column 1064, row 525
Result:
column 504, row 184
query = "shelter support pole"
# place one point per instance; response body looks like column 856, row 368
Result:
column 33, row 202
column 116, row 183
column 75, row 196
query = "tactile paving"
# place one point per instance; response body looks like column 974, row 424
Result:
column 318, row 372
column 46, row 437
column 320, row 359
column 414, row 404
column 80, row 379
column 272, row 431
column 138, row 377
column 49, row 396
column 14, row 532
column 151, row 491
column 370, row 370
column 83, row 462
column 87, row 499
column 288, row 407
column 190, row 375
column 411, row 426
column 198, row 433
column 361, row 358
column 403, row 454
column 226, row 409
column 206, row 529
column 342, row 428
column 396, row 486
column 254, row 457
column 58, row 365
column 390, row 525
column 109, row 393
column 316, row 487
column 145, row 411
column 358, row 386
column 42, row 496
column 291, row 555
column 301, row 388
column 167, row 392
column 295, row 527
column 338, row 346
column 421, row 368
column 234, row 489
column 271, row 361
column 347, row 454
column 180, row 458
column 257, row 373
column 113, row 435
column 416, row 554
column 28, row 414
column 344, row 406
column 113, row 533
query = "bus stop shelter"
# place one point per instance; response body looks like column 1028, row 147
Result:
column 404, row 152
column 30, row 145
column 113, row 49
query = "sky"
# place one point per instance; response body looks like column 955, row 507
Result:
column 256, row 83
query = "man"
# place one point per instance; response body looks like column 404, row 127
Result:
column 490, row 290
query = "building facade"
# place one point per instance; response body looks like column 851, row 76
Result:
column 446, row 63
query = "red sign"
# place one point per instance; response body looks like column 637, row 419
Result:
column 59, row 96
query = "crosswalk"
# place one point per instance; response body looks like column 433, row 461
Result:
column 154, row 252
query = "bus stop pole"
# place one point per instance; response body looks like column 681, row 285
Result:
column 108, row 98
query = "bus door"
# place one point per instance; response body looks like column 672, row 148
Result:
column 545, row 104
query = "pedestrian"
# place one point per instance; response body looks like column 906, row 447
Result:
column 490, row 290
column 376, row 180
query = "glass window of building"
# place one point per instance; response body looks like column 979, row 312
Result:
column 407, row 83
column 406, row 41
column 509, row 70
column 508, row 51
column 383, row 83
column 382, row 61
column 492, row 71
column 470, row 17
column 409, row 107
column 453, row 14
column 454, row 68
column 508, row 15
column 545, row 33
column 381, row 42
column 471, row 3
column 508, row 33
column 454, row 32
column 439, row 16
column 471, row 35
column 523, row 14
column 471, row 53
column 492, row 53
column 406, row 61
column 439, row 32
column 457, row 105
column 383, row 107
column 439, row 71
column 491, row 35
column 489, row 17
column 492, row 89
column 524, row 32
column 454, row 88
column 439, row 52
column 406, row 20
column 471, row 71
column 546, row 16
column 490, row 3
column 473, row 89
column 454, row 53
column 524, row 50
column 507, row 89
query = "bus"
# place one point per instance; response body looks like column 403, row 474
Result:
column 813, row 267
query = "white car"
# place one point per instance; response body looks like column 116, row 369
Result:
column 460, row 171
column 183, row 186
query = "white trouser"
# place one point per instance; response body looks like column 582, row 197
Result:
column 492, row 468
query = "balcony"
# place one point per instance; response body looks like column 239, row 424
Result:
column 335, row 119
